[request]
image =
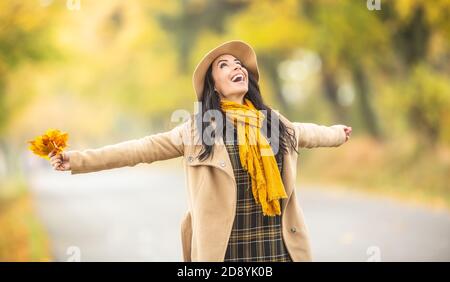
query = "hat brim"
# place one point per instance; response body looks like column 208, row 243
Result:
column 239, row 49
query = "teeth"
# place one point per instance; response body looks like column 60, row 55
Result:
column 236, row 76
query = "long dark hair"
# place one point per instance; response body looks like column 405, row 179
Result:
column 211, row 101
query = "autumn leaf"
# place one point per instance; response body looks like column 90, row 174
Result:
column 53, row 139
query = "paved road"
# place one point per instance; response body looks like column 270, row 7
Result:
column 133, row 214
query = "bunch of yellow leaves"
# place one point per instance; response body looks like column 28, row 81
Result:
column 53, row 139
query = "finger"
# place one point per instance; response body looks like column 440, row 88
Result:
column 54, row 158
column 62, row 167
column 51, row 154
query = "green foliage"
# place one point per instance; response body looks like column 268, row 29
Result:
column 25, row 37
column 426, row 98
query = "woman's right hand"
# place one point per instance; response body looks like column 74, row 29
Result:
column 61, row 161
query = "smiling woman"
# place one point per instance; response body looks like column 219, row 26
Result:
column 241, row 176
column 230, row 78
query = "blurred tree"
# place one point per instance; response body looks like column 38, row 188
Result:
column 345, row 34
column 412, row 38
column 424, row 99
column 193, row 17
column 25, row 31
column 427, row 101
column 275, row 30
column 349, row 38
column 413, row 24
column 420, row 30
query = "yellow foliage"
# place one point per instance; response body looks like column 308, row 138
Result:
column 22, row 238
column 53, row 139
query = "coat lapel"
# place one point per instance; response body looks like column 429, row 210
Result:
column 218, row 159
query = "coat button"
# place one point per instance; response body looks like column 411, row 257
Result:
column 222, row 163
column 190, row 159
column 293, row 230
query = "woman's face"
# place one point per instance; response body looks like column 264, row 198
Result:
column 230, row 78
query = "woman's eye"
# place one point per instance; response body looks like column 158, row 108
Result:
column 222, row 65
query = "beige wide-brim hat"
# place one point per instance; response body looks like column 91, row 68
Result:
column 239, row 49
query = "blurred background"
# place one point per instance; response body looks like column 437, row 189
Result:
column 107, row 71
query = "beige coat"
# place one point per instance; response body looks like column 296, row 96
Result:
column 211, row 185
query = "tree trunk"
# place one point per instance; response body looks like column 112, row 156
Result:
column 362, row 91
column 331, row 94
column 269, row 62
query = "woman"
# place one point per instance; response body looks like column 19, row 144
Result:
column 240, row 175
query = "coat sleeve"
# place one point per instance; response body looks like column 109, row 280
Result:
column 160, row 146
column 312, row 135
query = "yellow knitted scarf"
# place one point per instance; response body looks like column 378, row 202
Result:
column 267, row 185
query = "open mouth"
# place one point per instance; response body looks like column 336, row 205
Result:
column 238, row 78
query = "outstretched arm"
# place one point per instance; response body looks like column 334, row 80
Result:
column 161, row 146
column 313, row 135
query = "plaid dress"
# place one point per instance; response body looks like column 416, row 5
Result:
column 254, row 237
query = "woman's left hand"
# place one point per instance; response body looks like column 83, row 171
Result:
column 348, row 132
